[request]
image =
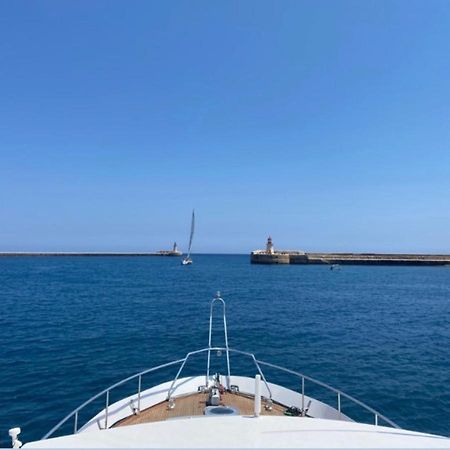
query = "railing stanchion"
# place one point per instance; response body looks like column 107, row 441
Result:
column 75, row 426
column 339, row 404
column 376, row 419
column 303, row 396
column 96, row 396
column 139, row 393
column 262, row 376
column 319, row 383
column 106, row 410
column 171, row 389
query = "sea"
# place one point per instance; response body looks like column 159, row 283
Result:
column 71, row 326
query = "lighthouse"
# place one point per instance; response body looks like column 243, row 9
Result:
column 269, row 246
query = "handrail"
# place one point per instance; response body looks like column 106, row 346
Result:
column 257, row 366
column 119, row 383
column 218, row 298
column 171, row 389
column 183, row 361
column 214, row 349
column 337, row 391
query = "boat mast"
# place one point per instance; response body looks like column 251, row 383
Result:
column 192, row 234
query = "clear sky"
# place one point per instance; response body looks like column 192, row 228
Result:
column 323, row 123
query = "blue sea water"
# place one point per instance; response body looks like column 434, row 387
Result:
column 70, row 326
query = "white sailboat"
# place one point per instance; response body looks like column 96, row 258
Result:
column 188, row 259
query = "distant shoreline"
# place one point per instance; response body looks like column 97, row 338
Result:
column 17, row 254
column 86, row 254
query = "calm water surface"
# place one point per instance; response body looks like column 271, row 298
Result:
column 70, row 326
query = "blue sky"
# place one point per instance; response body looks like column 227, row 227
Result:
column 323, row 123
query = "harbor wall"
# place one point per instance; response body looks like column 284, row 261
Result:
column 350, row 259
column 277, row 258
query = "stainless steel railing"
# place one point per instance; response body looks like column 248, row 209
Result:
column 106, row 392
column 338, row 392
column 218, row 299
column 258, row 363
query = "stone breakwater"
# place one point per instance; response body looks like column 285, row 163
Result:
column 385, row 259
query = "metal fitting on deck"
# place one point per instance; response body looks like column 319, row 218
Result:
column 14, row 432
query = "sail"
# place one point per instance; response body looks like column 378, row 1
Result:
column 192, row 234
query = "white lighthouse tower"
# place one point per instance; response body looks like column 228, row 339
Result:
column 269, row 246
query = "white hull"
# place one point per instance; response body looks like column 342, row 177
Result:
column 248, row 432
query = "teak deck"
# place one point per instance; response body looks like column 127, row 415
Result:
column 194, row 405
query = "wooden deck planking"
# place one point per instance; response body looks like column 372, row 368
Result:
column 194, row 405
